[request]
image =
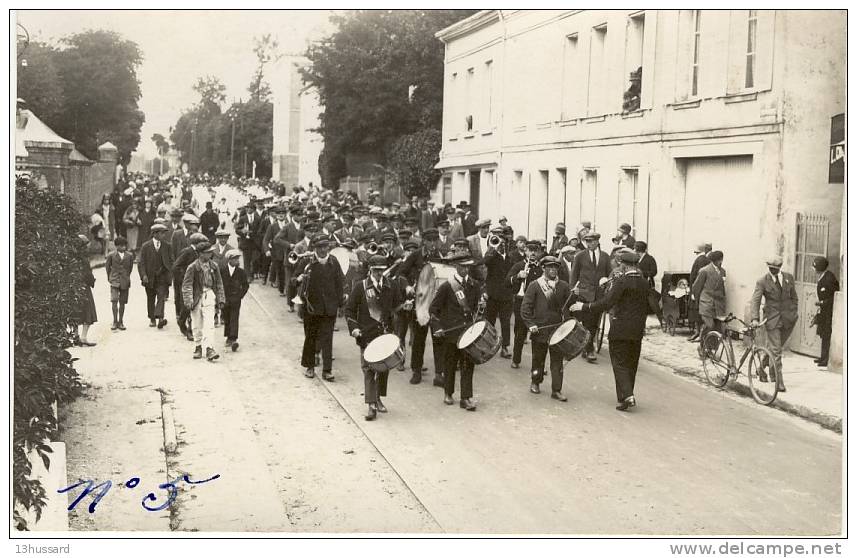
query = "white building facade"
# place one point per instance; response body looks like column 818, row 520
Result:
column 690, row 125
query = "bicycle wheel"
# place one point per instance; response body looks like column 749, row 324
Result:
column 763, row 376
column 599, row 335
column 716, row 359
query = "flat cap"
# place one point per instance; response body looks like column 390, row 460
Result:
column 159, row 221
column 389, row 236
column 534, row 244
column 190, row 218
column 548, row 260
column 592, row 236
column 625, row 228
column 234, row 253
column 567, row 248
column 410, row 245
column 176, row 212
column 221, row 232
column 157, row 227
column 196, row 238
column 349, row 243
column 483, row 223
column 461, row 242
column 320, row 240
column 204, row 247
column 430, row 234
column 560, row 227
column 774, row 261
column 521, row 238
column 442, row 223
column 499, row 229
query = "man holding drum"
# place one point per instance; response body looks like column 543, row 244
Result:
column 520, row 276
column 453, row 309
column 629, row 295
column 369, row 314
column 542, row 311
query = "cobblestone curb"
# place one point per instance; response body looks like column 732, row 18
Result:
column 669, row 357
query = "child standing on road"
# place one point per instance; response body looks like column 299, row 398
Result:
column 118, row 266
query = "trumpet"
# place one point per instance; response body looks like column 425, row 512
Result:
column 294, row 257
column 372, row 248
column 495, row 241
column 390, row 269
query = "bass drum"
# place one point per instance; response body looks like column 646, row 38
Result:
column 570, row 338
column 432, row 276
column 480, row 342
column 384, row 353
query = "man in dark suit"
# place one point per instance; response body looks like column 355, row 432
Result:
column 321, row 291
column 369, row 314
column 629, row 297
column 156, row 263
column 445, row 240
column 559, row 239
column 520, row 276
column 825, row 289
column 235, row 286
column 180, row 264
column 468, row 221
column 500, row 294
column 273, row 252
column 701, row 261
column 452, row 309
column 778, row 289
column 590, row 266
column 542, row 307
column 247, row 229
column 209, row 222
column 566, row 262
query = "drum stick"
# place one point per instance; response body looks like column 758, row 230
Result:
column 444, row 331
column 550, row 325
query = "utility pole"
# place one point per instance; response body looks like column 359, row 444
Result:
column 244, row 173
column 232, row 144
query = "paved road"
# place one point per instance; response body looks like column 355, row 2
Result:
column 296, row 455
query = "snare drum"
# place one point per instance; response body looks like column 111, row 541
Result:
column 570, row 338
column 384, row 353
column 480, row 342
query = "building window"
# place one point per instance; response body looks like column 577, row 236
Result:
column 589, row 196
column 570, row 80
column 627, row 209
column 634, row 62
column 597, row 70
column 447, row 189
column 468, row 101
column 694, row 72
column 489, row 86
column 751, row 49
column 452, row 117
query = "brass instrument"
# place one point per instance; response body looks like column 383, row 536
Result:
column 300, row 297
column 495, row 241
column 372, row 248
column 395, row 264
column 294, row 257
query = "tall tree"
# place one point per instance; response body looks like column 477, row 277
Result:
column 39, row 83
column 379, row 77
column 98, row 73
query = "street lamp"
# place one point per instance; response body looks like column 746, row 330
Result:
column 232, row 144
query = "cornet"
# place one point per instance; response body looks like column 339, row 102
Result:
column 497, row 242
column 294, row 257
column 372, row 248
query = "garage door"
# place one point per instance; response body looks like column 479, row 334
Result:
column 719, row 201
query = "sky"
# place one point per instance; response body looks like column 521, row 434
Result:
column 180, row 46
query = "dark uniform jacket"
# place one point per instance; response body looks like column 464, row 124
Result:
column 236, row 285
column 496, row 269
column 357, row 314
column 468, row 224
column 446, row 312
column 628, row 296
column 413, row 264
column 825, row 288
column 512, row 278
column 588, row 274
column 151, row 262
column 537, row 310
column 324, row 286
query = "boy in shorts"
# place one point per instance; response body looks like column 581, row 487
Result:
column 118, row 266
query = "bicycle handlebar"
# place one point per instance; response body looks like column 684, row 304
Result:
column 730, row 317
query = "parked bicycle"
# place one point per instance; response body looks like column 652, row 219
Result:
column 719, row 363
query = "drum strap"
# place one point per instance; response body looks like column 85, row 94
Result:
column 460, row 297
column 548, row 292
column 372, row 300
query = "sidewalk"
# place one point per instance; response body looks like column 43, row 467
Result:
column 813, row 393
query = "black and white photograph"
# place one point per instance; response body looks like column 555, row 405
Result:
column 403, row 272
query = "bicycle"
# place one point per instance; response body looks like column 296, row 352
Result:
column 718, row 361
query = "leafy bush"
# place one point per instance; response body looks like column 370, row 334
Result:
column 412, row 159
column 48, row 293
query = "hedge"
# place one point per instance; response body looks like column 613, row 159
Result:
column 48, row 293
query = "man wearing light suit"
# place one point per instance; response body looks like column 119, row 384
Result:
column 478, row 241
column 590, row 266
column 778, row 289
